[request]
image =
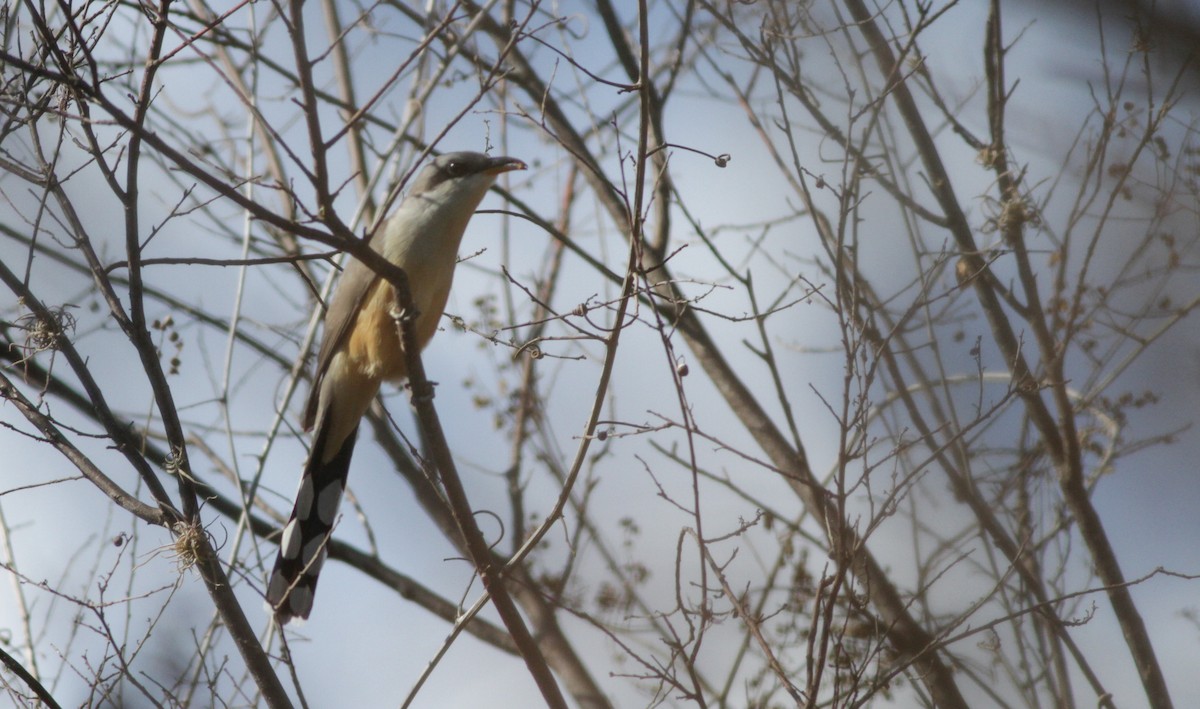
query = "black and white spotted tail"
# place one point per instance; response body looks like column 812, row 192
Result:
column 303, row 546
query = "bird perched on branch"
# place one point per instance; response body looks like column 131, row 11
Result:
column 361, row 348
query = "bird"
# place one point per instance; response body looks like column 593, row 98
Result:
column 361, row 348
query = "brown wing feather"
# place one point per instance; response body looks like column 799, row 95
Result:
column 343, row 308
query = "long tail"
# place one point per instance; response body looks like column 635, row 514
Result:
column 303, row 546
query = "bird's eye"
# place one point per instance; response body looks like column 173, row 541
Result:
column 456, row 168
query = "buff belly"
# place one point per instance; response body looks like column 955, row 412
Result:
column 373, row 347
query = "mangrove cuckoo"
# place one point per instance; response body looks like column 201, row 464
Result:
column 361, row 348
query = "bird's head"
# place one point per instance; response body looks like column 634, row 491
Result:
column 461, row 177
